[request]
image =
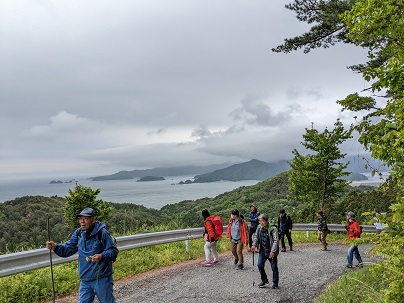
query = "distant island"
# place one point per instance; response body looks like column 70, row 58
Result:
column 59, row 182
column 150, row 178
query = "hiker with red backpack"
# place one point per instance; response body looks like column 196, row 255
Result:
column 238, row 235
column 211, row 234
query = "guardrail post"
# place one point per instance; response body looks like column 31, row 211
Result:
column 187, row 245
column 307, row 233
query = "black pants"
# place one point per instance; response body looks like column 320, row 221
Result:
column 288, row 235
column 251, row 231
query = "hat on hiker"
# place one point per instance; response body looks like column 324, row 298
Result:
column 351, row 214
column 253, row 205
column 87, row 212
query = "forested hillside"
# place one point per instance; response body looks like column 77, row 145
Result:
column 23, row 221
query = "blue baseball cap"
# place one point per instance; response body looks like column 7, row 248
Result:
column 86, row 212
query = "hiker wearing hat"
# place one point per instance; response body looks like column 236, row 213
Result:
column 253, row 218
column 354, row 231
column 266, row 243
column 97, row 250
column 238, row 235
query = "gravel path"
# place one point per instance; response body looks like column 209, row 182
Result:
column 304, row 272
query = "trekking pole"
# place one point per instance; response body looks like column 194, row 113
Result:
column 51, row 264
column 253, row 266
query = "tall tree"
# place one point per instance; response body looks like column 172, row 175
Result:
column 82, row 197
column 317, row 177
column 377, row 25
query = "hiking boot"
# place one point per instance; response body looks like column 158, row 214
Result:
column 215, row 262
column 349, row 266
column 324, row 248
column 240, row 266
column 206, row 263
column 262, row 284
column 360, row 265
column 275, row 286
column 283, row 249
column 235, row 261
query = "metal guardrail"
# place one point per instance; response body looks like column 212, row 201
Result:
column 33, row 259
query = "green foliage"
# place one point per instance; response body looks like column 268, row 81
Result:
column 318, row 177
column 23, row 222
column 269, row 196
column 82, row 197
column 360, row 286
column 328, row 27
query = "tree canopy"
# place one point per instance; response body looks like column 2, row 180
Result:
column 316, row 178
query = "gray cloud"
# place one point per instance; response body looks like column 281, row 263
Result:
column 90, row 87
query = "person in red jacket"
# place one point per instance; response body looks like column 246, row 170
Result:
column 238, row 235
column 210, row 239
column 354, row 231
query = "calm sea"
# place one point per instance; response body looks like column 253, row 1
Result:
column 154, row 194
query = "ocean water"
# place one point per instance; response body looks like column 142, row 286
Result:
column 153, row 194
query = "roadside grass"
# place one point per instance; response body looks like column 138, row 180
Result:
column 36, row 286
column 358, row 286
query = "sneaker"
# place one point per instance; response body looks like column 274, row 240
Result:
column 283, row 249
column 206, row 263
column 240, row 266
column 349, row 266
column 275, row 286
column 215, row 262
column 235, row 261
column 262, row 284
column 360, row 265
column 324, row 248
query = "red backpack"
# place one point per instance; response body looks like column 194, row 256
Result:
column 217, row 226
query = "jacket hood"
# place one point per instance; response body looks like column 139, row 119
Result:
column 97, row 227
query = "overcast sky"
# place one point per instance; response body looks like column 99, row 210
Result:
column 93, row 87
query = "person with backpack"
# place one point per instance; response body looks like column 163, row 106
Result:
column 253, row 218
column 266, row 243
column 238, row 235
column 354, row 232
column 97, row 250
column 210, row 236
column 322, row 229
column 285, row 226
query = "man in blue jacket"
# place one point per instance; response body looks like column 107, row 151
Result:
column 97, row 251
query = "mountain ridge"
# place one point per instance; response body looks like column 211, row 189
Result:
column 250, row 170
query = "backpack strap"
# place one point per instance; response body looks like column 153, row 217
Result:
column 99, row 234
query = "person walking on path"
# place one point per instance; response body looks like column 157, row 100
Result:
column 253, row 218
column 377, row 224
column 238, row 235
column 285, row 226
column 97, row 251
column 354, row 232
column 266, row 243
column 210, row 239
column 322, row 229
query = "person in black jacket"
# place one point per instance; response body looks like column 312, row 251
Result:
column 253, row 218
column 285, row 226
column 322, row 228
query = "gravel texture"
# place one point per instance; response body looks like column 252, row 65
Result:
column 304, row 273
